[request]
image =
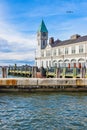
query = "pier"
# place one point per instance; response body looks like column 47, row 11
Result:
column 52, row 72
column 54, row 79
column 43, row 84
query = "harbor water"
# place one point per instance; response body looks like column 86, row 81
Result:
column 43, row 111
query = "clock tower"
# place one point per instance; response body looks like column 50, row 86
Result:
column 42, row 36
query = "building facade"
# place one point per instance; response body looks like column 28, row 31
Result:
column 58, row 53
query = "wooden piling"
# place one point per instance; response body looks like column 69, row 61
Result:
column 4, row 72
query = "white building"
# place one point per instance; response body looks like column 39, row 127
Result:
column 53, row 53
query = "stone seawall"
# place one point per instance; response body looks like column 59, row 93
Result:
column 43, row 84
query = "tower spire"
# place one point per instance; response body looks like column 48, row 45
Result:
column 42, row 27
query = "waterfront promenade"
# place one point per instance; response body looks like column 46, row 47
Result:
column 44, row 84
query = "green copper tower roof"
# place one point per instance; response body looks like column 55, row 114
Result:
column 42, row 27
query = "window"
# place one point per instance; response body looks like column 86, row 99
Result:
column 66, row 51
column 42, row 63
column 59, row 51
column 42, row 54
column 44, row 34
column 46, row 63
column 43, row 42
column 73, row 50
column 54, row 52
column 81, row 49
column 49, row 63
column 48, row 53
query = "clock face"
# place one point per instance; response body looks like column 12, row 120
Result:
column 44, row 34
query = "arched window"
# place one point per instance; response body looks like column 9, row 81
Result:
column 60, row 63
column 66, row 60
column 81, row 60
column 54, row 63
column 73, row 61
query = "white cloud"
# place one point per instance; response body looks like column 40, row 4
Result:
column 16, row 56
column 15, row 46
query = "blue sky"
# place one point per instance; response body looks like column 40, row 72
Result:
column 20, row 19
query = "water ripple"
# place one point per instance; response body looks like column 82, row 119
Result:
column 54, row 111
